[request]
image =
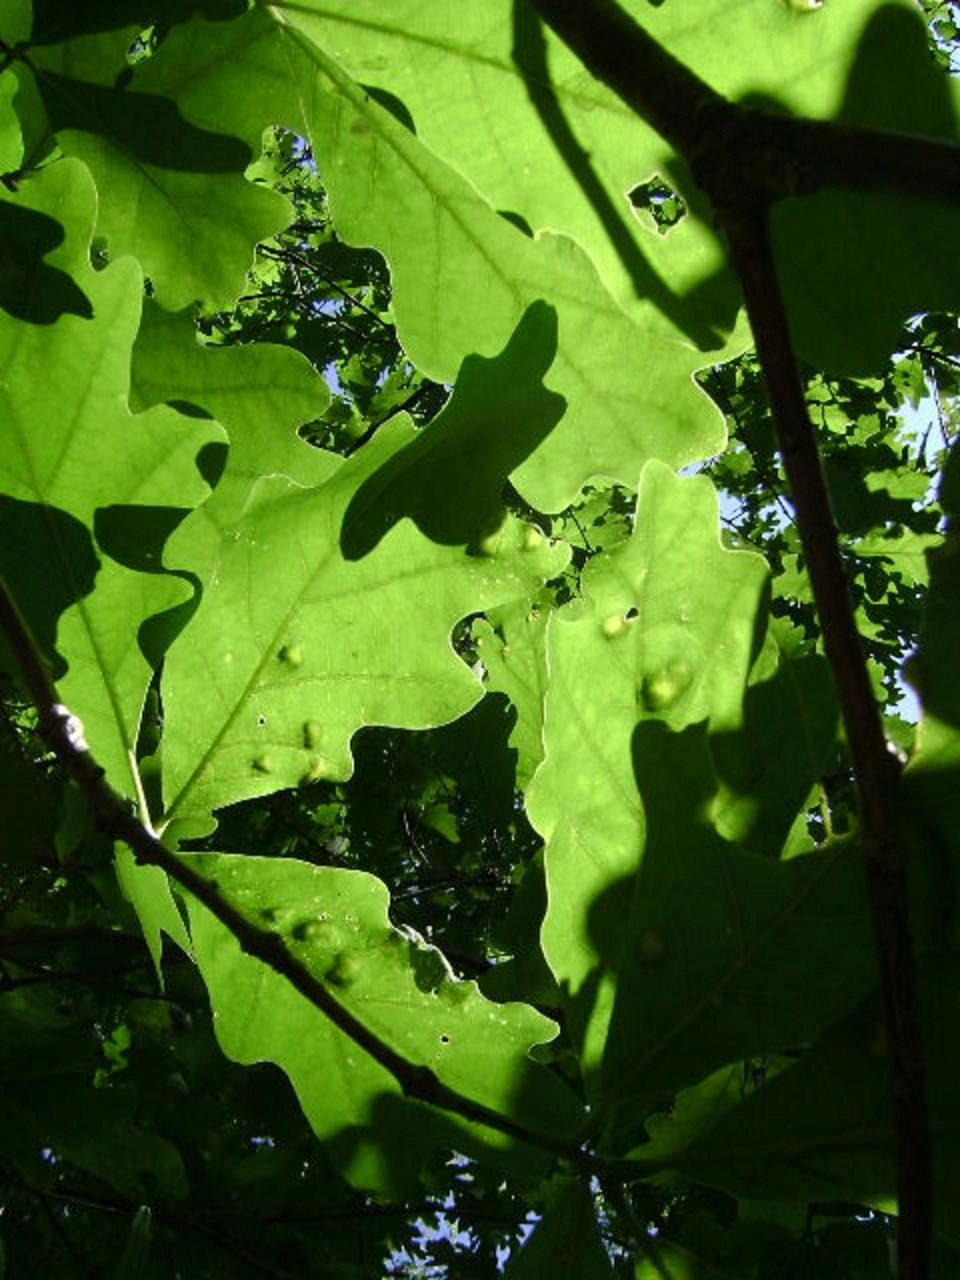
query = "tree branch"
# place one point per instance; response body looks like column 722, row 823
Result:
column 875, row 767
column 738, row 153
column 744, row 160
column 115, row 816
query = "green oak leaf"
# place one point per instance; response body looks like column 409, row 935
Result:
column 11, row 137
column 448, row 67
column 613, row 371
column 170, row 192
column 511, row 645
column 768, row 767
column 104, row 486
column 259, row 393
column 335, row 922
column 80, row 1123
column 566, row 1241
column 232, row 78
column 295, row 646
column 822, row 1129
column 665, row 638
column 666, row 630
column 90, row 491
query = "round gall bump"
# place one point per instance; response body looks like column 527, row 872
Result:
column 291, row 655
column 315, row 771
column 662, row 688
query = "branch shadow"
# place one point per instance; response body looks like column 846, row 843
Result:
column 711, row 307
column 148, row 126
column 48, row 560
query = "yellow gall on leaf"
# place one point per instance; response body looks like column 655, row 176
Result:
column 344, row 970
column 613, row 625
column 262, row 764
column 532, row 539
column 309, row 931
column 316, row 770
column 312, row 733
column 661, row 689
column 291, row 655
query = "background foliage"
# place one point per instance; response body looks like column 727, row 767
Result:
column 388, row 483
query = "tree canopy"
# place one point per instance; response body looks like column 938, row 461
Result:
column 480, row 751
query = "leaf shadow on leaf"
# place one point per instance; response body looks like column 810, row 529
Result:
column 135, row 536
column 766, row 774
column 703, row 327
column 29, row 289
column 57, row 20
column 399, row 110
column 450, row 480
column 717, row 953
column 389, row 1153
column 147, row 126
column 48, row 560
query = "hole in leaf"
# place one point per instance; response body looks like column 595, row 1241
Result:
column 659, row 201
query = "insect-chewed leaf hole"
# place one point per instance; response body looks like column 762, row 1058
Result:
column 658, row 200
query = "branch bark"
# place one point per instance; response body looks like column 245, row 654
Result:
column 875, row 768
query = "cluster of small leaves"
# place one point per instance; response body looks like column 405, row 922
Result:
column 883, row 456
column 943, row 17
